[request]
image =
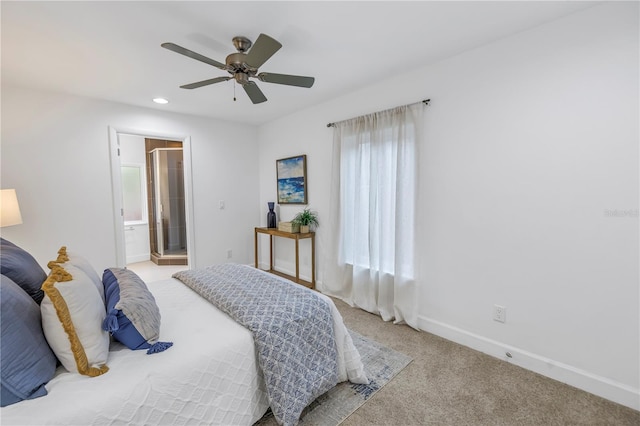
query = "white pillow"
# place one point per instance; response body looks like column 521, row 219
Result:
column 67, row 258
column 72, row 315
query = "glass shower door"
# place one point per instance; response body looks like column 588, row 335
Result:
column 169, row 231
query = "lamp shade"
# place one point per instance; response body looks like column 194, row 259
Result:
column 9, row 208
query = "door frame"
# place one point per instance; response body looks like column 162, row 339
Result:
column 116, row 189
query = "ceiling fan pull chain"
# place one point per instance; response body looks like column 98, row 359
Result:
column 234, row 91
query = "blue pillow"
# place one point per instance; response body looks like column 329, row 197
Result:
column 133, row 318
column 22, row 268
column 27, row 360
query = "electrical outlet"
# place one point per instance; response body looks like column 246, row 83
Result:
column 229, row 254
column 499, row 313
column 221, row 204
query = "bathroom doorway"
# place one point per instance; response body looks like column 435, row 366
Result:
column 153, row 214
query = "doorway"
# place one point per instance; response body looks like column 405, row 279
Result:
column 164, row 164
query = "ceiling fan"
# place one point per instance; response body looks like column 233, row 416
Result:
column 244, row 65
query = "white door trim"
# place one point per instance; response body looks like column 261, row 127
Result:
column 116, row 189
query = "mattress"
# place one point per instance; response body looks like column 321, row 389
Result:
column 209, row 376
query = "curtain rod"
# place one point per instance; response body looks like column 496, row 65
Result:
column 424, row 101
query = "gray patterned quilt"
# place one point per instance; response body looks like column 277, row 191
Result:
column 292, row 328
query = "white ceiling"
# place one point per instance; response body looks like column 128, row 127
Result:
column 111, row 50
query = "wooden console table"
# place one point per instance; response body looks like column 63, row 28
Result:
column 297, row 237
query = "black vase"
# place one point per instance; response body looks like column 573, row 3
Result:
column 271, row 217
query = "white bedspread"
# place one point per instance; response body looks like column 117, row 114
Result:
column 210, row 375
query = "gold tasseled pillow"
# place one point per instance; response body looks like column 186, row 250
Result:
column 72, row 315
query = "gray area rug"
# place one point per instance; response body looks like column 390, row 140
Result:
column 381, row 365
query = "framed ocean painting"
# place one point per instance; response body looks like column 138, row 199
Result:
column 292, row 180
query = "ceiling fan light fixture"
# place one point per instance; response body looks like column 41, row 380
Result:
column 160, row 101
column 241, row 78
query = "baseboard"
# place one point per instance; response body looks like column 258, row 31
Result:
column 581, row 379
column 138, row 258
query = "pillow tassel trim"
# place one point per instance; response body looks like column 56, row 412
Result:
column 159, row 347
column 62, row 255
column 110, row 323
column 58, row 274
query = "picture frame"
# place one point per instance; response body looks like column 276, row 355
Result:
column 292, row 180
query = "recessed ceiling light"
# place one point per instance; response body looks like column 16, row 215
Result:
column 160, row 101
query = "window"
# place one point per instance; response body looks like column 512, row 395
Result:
column 134, row 194
column 377, row 173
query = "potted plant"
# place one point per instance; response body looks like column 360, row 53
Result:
column 306, row 218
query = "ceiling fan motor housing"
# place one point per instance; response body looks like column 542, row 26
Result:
column 238, row 62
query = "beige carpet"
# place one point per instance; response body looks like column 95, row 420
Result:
column 381, row 364
column 449, row 384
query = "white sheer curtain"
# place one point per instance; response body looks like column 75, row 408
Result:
column 370, row 258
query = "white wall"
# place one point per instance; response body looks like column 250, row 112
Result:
column 531, row 142
column 55, row 152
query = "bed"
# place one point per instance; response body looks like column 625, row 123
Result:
column 211, row 375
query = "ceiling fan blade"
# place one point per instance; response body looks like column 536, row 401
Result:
column 193, row 55
column 262, row 49
column 289, row 80
column 205, row 82
column 254, row 92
